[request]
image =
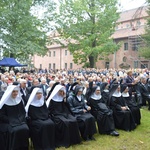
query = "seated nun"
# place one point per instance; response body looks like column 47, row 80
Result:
column 102, row 113
column 12, row 115
column 67, row 131
column 42, row 128
column 105, row 92
column 123, row 117
column 81, row 111
column 131, row 103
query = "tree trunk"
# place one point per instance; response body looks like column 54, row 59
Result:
column 92, row 61
column 11, row 55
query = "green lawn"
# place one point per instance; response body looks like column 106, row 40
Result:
column 139, row 139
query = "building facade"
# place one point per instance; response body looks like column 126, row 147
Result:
column 129, row 30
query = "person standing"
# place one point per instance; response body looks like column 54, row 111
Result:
column 24, row 90
column 44, row 87
column 133, row 85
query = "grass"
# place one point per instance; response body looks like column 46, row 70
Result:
column 139, row 139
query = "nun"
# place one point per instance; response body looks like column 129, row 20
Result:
column 131, row 103
column 12, row 117
column 42, row 128
column 102, row 113
column 122, row 114
column 81, row 111
column 105, row 92
column 67, row 131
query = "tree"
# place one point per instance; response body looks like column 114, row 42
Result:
column 87, row 25
column 22, row 34
column 145, row 50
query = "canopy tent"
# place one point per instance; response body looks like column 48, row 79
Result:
column 10, row 62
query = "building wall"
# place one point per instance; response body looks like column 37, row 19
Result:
column 130, row 24
column 61, row 57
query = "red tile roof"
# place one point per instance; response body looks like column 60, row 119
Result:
column 126, row 32
column 139, row 12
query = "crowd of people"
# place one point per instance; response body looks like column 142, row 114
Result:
column 62, row 107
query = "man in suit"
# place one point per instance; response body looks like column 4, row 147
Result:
column 130, row 82
column 44, row 87
column 144, row 92
column 24, row 90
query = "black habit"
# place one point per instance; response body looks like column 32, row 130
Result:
column 67, row 132
column 17, row 134
column 85, row 120
column 103, row 115
column 134, row 109
column 42, row 128
column 123, row 118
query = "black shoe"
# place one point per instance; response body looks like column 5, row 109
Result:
column 92, row 138
column 67, row 146
column 85, row 138
column 114, row 133
column 127, row 130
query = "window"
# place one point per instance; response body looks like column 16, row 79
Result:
column 138, row 23
column 144, row 66
column 124, row 59
column 49, row 66
column 135, row 64
column 136, row 42
column 107, row 65
column 125, row 46
column 127, row 25
column 65, row 65
column 135, row 47
column 71, row 65
column 49, row 54
column 54, row 66
column 65, row 52
column 40, row 66
column 54, row 53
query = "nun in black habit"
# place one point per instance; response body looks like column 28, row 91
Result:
column 70, row 91
column 131, row 103
column 67, row 131
column 81, row 111
column 12, row 117
column 122, row 114
column 102, row 113
column 42, row 128
column 105, row 92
